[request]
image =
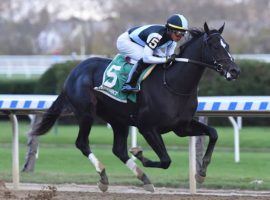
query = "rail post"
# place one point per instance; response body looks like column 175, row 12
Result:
column 15, row 151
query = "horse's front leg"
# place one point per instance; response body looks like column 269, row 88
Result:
column 198, row 129
column 155, row 140
column 120, row 150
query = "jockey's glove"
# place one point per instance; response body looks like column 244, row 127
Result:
column 170, row 59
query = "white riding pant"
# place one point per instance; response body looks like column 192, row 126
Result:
column 128, row 48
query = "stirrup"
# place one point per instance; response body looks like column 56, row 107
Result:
column 128, row 88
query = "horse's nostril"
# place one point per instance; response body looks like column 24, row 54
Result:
column 234, row 73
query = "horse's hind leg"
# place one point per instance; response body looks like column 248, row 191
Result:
column 82, row 143
column 84, row 105
column 120, row 150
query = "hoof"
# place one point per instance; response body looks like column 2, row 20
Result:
column 135, row 150
column 103, row 187
column 199, row 178
column 149, row 187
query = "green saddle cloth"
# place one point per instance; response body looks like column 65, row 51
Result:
column 115, row 76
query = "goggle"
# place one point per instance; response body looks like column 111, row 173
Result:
column 179, row 33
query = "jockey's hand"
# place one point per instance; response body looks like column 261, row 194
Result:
column 170, row 59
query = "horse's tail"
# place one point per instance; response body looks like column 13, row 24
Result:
column 50, row 116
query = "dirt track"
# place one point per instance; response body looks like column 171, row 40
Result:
column 79, row 192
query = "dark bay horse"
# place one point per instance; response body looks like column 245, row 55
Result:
column 167, row 102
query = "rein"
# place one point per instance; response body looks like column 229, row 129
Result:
column 196, row 62
column 170, row 89
column 186, row 60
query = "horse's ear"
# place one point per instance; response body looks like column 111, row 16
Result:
column 206, row 28
column 220, row 30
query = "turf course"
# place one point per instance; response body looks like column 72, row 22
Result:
column 60, row 162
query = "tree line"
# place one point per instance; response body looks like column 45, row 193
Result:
column 247, row 23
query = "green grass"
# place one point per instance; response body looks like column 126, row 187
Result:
column 60, row 162
column 18, row 77
column 254, row 138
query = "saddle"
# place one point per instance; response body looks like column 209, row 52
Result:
column 116, row 75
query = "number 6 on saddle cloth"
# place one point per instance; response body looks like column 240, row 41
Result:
column 116, row 75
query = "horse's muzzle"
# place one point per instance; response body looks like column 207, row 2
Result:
column 232, row 74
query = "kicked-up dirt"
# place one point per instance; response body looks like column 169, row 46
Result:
column 80, row 192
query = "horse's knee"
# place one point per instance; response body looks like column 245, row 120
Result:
column 78, row 145
column 120, row 154
column 83, row 148
column 165, row 164
column 115, row 151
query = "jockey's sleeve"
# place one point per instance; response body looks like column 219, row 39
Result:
column 148, row 56
column 159, row 53
column 148, row 52
column 171, row 48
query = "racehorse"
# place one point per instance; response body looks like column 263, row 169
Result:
column 167, row 102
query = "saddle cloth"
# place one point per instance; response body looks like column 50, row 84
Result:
column 116, row 75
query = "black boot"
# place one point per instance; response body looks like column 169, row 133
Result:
column 134, row 74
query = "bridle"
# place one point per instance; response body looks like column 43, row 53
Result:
column 215, row 66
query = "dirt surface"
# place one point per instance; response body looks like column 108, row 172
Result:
column 79, row 192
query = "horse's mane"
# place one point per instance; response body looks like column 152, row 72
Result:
column 195, row 33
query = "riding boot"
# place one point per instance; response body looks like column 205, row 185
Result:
column 134, row 74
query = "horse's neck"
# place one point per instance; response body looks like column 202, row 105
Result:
column 186, row 76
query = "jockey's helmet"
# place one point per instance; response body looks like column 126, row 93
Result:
column 177, row 22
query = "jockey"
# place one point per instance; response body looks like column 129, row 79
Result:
column 150, row 44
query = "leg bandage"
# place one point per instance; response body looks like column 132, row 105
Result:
column 99, row 167
column 133, row 167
